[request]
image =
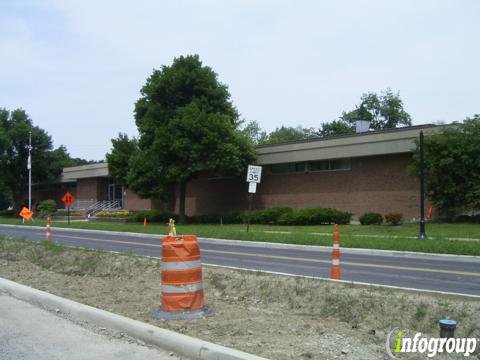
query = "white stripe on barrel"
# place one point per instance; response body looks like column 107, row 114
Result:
column 181, row 265
column 181, row 288
column 335, row 262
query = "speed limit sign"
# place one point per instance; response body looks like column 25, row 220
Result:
column 254, row 174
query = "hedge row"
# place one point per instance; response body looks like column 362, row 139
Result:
column 473, row 219
column 151, row 216
column 372, row 218
column 271, row 216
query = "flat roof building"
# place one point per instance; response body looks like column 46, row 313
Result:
column 357, row 173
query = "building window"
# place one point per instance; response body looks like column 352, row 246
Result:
column 286, row 168
column 330, row 165
column 302, row 167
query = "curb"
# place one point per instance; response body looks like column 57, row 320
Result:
column 184, row 345
column 360, row 251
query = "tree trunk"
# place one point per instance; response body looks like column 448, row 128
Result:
column 181, row 210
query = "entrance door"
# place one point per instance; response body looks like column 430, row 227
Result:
column 115, row 192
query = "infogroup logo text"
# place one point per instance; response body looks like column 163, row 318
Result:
column 398, row 342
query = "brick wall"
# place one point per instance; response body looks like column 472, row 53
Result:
column 131, row 201
column 377, row 183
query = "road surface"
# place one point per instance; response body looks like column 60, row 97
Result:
column 446, row 273
column 31, row 333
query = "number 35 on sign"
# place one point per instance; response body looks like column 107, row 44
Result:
column 254, row 174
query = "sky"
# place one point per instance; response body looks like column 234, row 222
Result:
column 77, row 67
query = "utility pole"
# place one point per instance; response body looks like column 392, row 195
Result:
column 29, row 167
column 422, row 235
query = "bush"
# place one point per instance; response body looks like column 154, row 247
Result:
column 394, row 218
column 473, row 219
column 46, row 208
column 371, row 218
column 113, row 214
column 266, row 216
column 72, row 213
column 7, row 213
column 151, row 215
column 315, row 216
column 234, row 217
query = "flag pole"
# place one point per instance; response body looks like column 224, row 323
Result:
column 29, row 167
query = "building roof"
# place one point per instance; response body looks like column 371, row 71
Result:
column 385, row 142
column 392, row 141
column 73, row 173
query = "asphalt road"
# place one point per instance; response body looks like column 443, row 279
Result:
column 453, row 274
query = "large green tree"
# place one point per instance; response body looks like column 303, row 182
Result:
column 384, row 111
column 47, row 163
column 123, row 149
column 452, row 167
column 186, row 124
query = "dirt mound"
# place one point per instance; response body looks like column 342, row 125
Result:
column 277, row 317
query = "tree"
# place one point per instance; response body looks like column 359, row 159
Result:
column 187, row 124
column 285, row 133
column 452, row 168
column 336, row 127
column 254, row 132
column 47, row 164
column 384, row 111
column 123, row 149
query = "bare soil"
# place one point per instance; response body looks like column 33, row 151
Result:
column 276, row 317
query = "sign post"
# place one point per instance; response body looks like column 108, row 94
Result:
column 26, row 214
column 254, row 175
column 68, row 199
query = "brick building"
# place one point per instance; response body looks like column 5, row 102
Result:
column 357, row 173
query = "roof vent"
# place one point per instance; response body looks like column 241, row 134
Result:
column 362, row 126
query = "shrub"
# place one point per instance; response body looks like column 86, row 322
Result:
column 47, row 207
column 113, row 214
column 266, row 216
column 65, row 213
column 474, row 219
column 371, row 218
column 151, row 215
column 315, row 216
column 394, row 218
column 7, row 213
column 234, row 217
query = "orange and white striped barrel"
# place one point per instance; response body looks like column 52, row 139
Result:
column 48, row 233
column 335, row 270
column 181, row 274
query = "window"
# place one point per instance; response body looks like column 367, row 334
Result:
column 301, row 167
column 330, row 165
column 286, row 168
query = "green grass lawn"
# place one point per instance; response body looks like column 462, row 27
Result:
column 442, row 238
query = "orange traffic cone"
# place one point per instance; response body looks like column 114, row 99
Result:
column 335, row 271
column 145, row 221
column 48, row 234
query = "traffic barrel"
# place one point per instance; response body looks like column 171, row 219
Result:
column 48, row 233
column 182, row 295
column 335, row 270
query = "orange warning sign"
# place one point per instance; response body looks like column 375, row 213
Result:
column 26, row 213
column 68, row 199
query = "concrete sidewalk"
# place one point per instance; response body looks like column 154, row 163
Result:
column 29, row 332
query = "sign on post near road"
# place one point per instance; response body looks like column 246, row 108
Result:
column 26, row 214
column 68, row 199
column 254, row 174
